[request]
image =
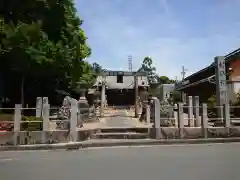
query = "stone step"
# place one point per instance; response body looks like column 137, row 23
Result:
column 120, row 135
column 123, row 130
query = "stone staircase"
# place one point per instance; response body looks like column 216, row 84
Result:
column 122, row 133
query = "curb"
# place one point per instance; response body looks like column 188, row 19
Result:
column 111, row 143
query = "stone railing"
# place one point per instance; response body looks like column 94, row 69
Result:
column 193, row 124
column 47, row 125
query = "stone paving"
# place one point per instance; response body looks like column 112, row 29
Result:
column 121, row 118
column 112, row 118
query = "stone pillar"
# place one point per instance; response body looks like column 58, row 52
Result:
column 45, row 100
column 136, row 95
column 148, row 114
column 39, row 102
column 157, row 123
column 17, row 122
column 180, row 120
column 45, row 116
column 190, row 112
column 176, row 115
column 221, row 84
column 196, row 111
column 83, row 106
column 73, row 120
column 102, row 99
column 204, row 119
column 227, row 117
column 184, row 97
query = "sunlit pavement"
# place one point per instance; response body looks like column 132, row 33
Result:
column 181, row 162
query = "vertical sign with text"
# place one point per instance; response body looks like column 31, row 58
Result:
column 221, row 83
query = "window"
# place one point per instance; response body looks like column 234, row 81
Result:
column 119, row 78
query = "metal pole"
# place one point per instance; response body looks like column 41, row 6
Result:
column 136, row 95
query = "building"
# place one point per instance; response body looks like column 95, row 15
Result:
column 202, row 83
column 120, row 86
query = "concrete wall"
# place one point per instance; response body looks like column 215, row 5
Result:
column 196, row 132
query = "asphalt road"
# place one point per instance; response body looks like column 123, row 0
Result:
column 186, row 162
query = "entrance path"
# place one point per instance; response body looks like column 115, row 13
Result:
column 116, row 118
column 121, row 118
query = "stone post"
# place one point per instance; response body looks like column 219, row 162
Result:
column 190, row 112
column 157, row 124
column 45, row 116
column 196, row 111
column 176, row 115
column 227, row 117
column 17, row 122
column 148, row 114
column 204, row 119
column 221, row 84
column 45, row 100
column 136, row 95
column 73, row 120
column 184, row 99
column 102, row 98
column 180, row 120
column 39, row 102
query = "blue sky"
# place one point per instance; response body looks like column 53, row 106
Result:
column 172, row 32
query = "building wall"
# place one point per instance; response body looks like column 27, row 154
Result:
column 234, row 87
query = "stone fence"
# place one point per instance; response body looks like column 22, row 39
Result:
column 46, row 128
column 193, row 124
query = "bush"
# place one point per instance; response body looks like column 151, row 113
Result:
column 6, row 126
column 31, row 125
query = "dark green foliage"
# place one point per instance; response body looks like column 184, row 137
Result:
column 42, row 49
column 31, row 123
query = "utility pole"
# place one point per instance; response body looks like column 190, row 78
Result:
column 183, row 72
column 130, row 63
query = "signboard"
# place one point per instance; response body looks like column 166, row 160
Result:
column 221, row 83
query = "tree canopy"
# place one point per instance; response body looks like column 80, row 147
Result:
column 153, row 77
column 42, row 49
column 147, row 66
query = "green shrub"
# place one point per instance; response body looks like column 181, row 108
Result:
column 32, row 123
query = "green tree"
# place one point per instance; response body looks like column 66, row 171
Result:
column 165, row 80
column 149, row 69
column 42, row 48
column 97, row 68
